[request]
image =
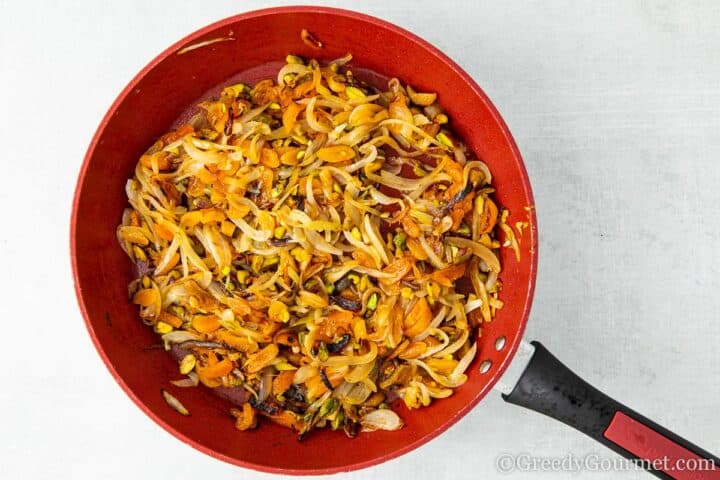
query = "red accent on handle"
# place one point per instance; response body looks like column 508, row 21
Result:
column 667, row 456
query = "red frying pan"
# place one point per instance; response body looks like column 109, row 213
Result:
column 248, row 47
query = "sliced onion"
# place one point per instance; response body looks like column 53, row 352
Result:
column 360, row 245
column 464, row 362
column 356, row 135
column 373, row 272
column 320, row 244
column 356, row 394
column 192, row 380
column 460, row 156
column 408, row 184
column 407, row 125
column 441, row 379
column 444, row 342
column 311, row 119
column 456, row 345
column 478, row 249
column 291, row 68
column 342, row 60
column 343, row 389
column 334, row 274
column 215, row 244
column 303, row 373
column 436, row 321
column 188, row 252
column 167, row 256
column 383, row 199
column 434, row 259
column 178, row 336
column 359, row 373
column 373, row 234
column 174, row 403
column 346, row 360
column 436, row 392
column 249, row 115
column 265, row 384
column 256, row 235
column 383, row 419
column 487, row 176
column 367, row 159
column 491, row 280
column 473, row 305
column 432, row 110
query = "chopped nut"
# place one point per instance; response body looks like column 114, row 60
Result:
column 399, row 240
column 406, row 292
column 300, row 254
column 294, row 59
column 278, row 312
column 139, row 254
column 372, row 302
column 445, row 140
column 241, row 276
column 363, row 283
column 323, row 353
column 354, row 92
column 328, row 407
column 163, row 328
column 289, row 78
column 187, row 364
column 285, row 366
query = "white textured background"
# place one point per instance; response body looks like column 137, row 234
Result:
column 616, row 109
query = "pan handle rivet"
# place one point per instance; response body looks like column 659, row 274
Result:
column 500, row 343
column 485, row 366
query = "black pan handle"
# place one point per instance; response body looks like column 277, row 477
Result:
column 549, row 387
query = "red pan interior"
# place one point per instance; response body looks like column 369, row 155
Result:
column 153, row 101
